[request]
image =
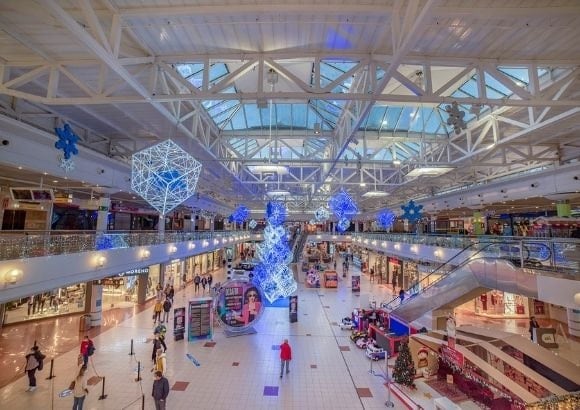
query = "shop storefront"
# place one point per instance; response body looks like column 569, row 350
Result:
column 173, row 272
column 410, row 276
column 58, row 302
column 123, row 290
column 395, row 271
column 499, row 304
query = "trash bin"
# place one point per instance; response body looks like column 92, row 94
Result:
column 85, row 323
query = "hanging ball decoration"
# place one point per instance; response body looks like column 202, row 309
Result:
column 343, row 224
column 386, row 218
column 321, row 214
column 164, row 175
column 342, row 205
column 240, row 214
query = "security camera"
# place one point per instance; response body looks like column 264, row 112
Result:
column 503, row 191
column 5, row 142
column 576, row 177
column 534, row 185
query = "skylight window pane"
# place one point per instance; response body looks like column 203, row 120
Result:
column 284, row 115
column 491, row 82
column 299, row 115
column 405, row 119
column 470, row 88
column 252, row 116
column 433, row 124
column 518, row 74
column 239, row 121
column 375, row 118
column 393, row 114
column 216, row 71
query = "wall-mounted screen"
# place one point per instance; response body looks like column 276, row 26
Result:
column 32, row 194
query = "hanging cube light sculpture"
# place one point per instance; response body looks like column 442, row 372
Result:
column 164, row 175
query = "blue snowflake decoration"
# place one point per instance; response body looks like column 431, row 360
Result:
column 412, row 211
column 252, row 224
column 321, row 214
column 342, row 205
column 67, row 141
column 343, row 224
column 275, row 213
column 240, row 214
column 385, row 218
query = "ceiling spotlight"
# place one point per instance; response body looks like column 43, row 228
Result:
column 396, row 162
column 317, row 128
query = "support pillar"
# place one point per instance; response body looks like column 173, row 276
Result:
column 563, row 209
column 439, row 318
column 574, row 322
column 103, row 214
column 161, row 226
column 477, row 223
column 142, row 289
column 96, row 304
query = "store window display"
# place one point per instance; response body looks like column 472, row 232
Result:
column 57, row 302
column 499, row 304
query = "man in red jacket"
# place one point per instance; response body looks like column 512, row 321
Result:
column 285, row 357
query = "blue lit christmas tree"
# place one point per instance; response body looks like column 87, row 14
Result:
column 273, row 273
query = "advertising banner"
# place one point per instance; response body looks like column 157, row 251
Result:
column 239, row 304
column 355, row 283
column 179, row 323
column 293, row 309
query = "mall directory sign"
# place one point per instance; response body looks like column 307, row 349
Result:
column 239, row 304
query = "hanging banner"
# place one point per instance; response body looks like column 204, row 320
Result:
column 178, row 323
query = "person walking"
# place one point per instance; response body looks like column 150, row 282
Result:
column 402, row 295
column 34, row 362
column 157, row 311
column 166, row 310
column 285, row 357
column 79, row 389
column 160, row 390
column 196, row 282
column 372, row 274
column 87, row 349
column 394, row 281
column 184, row 281
column 203, row 283
column 533, row 325
column 171, row 293
column 209, row 280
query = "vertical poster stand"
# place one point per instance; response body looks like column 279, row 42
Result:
column 355, row 280
column 200, row 318
column 178, row 323
column 293, row 309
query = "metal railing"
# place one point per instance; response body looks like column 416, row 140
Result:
column 30, row 244
column 555, row 254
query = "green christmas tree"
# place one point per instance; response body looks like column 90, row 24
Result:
column 404, row 371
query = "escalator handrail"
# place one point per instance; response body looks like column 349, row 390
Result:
column 436, row 271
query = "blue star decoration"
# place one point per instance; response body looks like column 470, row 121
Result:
column 412, row 211
column 67, row 141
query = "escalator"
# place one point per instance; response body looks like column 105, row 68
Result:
column 299, row 246
column 478, row 269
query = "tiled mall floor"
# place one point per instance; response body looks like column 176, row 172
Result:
column 236, row 373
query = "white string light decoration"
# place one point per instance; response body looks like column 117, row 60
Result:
column 164, row 175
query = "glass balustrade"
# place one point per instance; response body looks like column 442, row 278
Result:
column 46, row 243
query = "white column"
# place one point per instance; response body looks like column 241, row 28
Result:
column 103, row 214
column 161, row 226
column 96, row 304
column 574, row 322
